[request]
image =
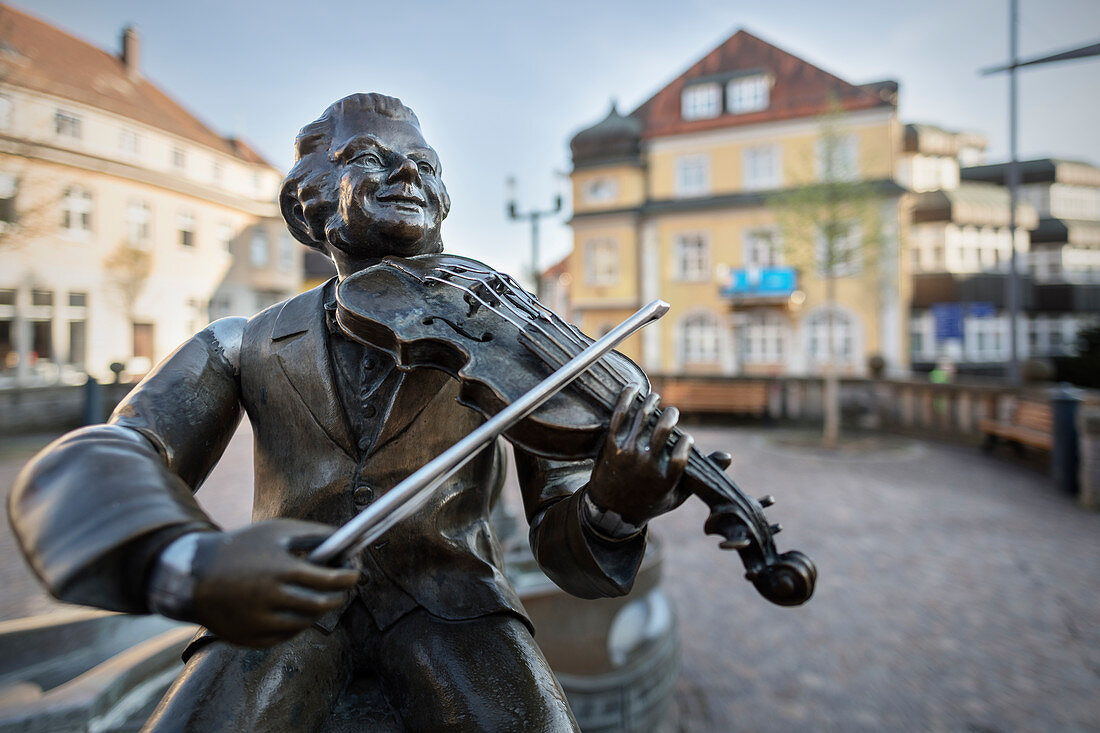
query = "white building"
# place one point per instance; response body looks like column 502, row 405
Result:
column 120, row 212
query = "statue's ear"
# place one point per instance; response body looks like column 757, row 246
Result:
column 293, row 215
column 444, row 200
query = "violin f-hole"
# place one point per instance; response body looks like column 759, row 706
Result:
column 482, row 339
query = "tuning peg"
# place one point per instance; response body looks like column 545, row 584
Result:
column 739, row 543
column 766, row 501
column 721, row 458
column 776, row 528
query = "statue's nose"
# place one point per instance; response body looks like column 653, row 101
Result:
column 406, row 171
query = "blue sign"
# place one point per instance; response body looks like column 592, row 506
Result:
column 948, row 318
column 761, row 282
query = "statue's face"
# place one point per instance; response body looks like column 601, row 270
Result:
column 390, row 196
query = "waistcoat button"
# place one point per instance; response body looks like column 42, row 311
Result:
column 362, row 495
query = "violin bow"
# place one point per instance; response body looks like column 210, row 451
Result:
column 411, row 494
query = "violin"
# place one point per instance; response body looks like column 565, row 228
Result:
column 479, row 326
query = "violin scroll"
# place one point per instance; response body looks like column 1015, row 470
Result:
column 786, row 579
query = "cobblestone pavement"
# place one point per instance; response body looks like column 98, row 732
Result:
column 957, row 592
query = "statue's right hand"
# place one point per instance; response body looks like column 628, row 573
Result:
column 254, row 587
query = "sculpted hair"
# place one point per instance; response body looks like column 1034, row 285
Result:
column 308, row 195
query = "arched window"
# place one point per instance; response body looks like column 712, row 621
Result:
column 699, row 338
column 762, row 337
column 846, row 342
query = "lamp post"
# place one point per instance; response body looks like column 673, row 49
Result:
column 533, row 216
column 1012, row 172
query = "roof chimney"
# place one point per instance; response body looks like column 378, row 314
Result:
column 131, row 51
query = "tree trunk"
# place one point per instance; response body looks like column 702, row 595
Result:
column 831, row 397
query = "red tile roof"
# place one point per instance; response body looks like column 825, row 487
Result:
column 799, row 89
column 37, row 56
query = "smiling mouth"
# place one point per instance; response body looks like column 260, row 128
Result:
column 403, row 202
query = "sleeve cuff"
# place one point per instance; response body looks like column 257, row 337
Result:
column 606, row 524
column 171, row 589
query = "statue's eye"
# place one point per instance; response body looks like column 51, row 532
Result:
column 425, row 168
column 368, row 160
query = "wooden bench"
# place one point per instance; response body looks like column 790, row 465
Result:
column 716, row 396
column 1031, row 423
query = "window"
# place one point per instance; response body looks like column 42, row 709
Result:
column 139, row 220
column 257, row 251
column 762, row 249
column 78, row 300
column 42, row 297
column 128, row 142
column 600, row 189
column 692, row 175
column 699, row 337
column 185, row 223
column 844, row 348
column 76, row 211
column 692, row 257
column 701, row 101
column 985, row 338
column 216, row 172
column 9, row 186
column 601, row 261
column 179, row 158
column 224, row 234
column 762, row 337
column 837, row 158
column 748, row 94
column 143, row 341
column 77, row 343
column 916, row 341
column 41, row 340
column 762, row 168
column 286, row 251
column 66, row 124
column 843, row 257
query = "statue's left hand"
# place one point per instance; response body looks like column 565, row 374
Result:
column 637, row 473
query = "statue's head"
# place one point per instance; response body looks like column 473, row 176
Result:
column 365, row 183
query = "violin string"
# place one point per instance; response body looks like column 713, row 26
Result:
column 532, row 344
column 703, row 466
column 546, row 316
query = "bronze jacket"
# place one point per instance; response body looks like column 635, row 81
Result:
column 94, row 508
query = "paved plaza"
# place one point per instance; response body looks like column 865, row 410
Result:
column 956, row 591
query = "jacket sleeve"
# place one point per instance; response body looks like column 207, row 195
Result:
column 94, row 508
column 577, row 559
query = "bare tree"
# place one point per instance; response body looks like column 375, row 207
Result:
column 832, row 226
column 128, row 268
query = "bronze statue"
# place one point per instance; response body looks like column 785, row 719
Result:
column 106, row 515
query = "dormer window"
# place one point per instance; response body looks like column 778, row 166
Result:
column 748, row 94
column 701, row 101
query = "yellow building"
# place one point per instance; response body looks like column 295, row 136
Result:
column 124, row 220
column 678, row 200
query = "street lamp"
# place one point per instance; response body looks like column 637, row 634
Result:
column 1012, row 173
column 534, row 215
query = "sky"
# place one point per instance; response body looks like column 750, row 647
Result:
column 500, row 87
